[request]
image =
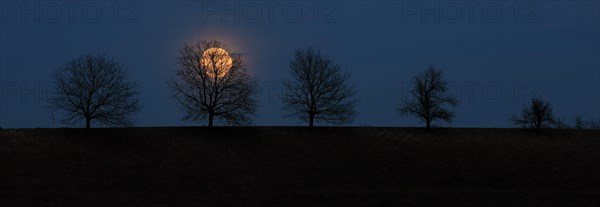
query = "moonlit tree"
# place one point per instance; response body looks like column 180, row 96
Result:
column 94, row 88
column 212, row 83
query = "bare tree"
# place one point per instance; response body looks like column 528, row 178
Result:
column 95, row 88
column 580, row 123
column 213, row 83
column 427, row 99
column 318, row 90
column 538, row 114
column 560, row 123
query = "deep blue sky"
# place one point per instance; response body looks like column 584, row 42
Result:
column 547, row 48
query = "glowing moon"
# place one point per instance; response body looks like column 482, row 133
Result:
column 216, row 62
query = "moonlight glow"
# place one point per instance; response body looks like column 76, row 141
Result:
column 216, row 62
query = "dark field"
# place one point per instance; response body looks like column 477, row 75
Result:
column 280, row 166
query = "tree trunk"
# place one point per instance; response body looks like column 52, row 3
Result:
column 211, row 116
column 311, row 119
column 88, row 122
column 428, row 124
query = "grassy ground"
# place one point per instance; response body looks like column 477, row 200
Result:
column 281, row 166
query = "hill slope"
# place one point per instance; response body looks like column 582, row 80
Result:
column 298, row 166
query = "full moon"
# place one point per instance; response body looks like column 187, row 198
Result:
column 216, row 61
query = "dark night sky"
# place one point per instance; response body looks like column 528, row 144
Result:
column 552, row 49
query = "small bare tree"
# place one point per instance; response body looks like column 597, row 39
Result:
column 318, row 90
column 427, row 99
column 579, row 122
column 213, row 83
column 538, row 114
column 95, row 88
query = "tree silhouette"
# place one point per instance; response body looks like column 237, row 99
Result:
column 428, row 97
column 538, row 114
column 580, row 123
column 212, row 83
column 94, row 88
column 561, row 123
column 318, row 90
